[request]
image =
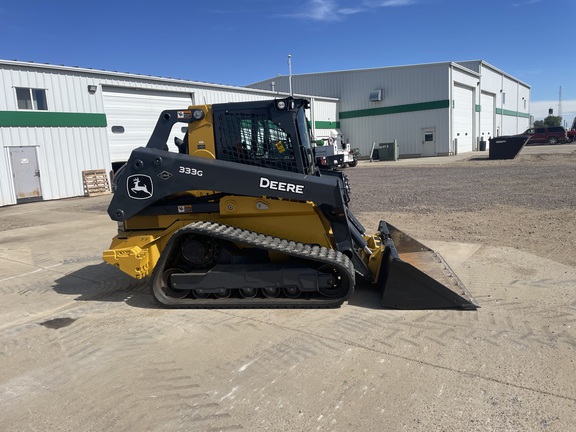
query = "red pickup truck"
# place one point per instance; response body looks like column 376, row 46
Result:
column 571, row 134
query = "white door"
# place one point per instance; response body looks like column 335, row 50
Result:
column 462, row 118
column 26, row 174
column 429, row 142
column 487, row 114
column 131, row 115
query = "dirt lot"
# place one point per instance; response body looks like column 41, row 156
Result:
column 527, row 203
column 85, row 348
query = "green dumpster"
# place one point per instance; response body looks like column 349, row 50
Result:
column 387, row 151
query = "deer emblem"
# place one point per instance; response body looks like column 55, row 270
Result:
column 140, row 188
column 137, row 188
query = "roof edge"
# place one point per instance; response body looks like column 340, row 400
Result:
column 103, row 72
column 495, row 69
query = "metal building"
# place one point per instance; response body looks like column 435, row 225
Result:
column 58, row 121
column 432, row 109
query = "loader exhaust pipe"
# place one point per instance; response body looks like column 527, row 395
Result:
column 413, row 276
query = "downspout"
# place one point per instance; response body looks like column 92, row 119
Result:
column 451, row 144
column 480, row 104
column 502, row 105
column 517, row 104
column 312, row 117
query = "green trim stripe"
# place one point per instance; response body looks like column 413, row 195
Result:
column 327, row 124
column 500, row 111
column 424, row 106
column 50, row 119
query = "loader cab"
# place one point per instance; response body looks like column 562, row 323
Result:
column 270, row 134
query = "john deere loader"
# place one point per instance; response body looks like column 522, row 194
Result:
column 241, row 217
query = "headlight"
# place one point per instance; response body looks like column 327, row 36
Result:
column 198, row 114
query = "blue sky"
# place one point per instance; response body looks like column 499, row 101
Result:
column 239, row 42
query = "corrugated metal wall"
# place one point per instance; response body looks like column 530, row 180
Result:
column 324, row 117
column 63, row 152
column 511, row 99
column 408, row 132
column 66, row 145
column 413, row 97
column 401, row 85
column 66, row 90
column 6, row 183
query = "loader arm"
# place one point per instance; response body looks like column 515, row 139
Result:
column 167, row 174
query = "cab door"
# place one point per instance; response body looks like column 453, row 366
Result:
column 539, row 135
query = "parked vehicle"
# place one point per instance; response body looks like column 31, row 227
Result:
column 547, row 134
column 328, row 161
column 335, row 151
column 571, row 135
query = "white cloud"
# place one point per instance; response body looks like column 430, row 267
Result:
column 526, row 3
column 389, row 3
column 321, row 10
column 331, row 10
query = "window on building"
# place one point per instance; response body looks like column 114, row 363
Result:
column 31, row 99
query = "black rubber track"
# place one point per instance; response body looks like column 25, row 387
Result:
column 316, row 255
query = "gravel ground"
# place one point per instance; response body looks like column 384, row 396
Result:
column 527, row 203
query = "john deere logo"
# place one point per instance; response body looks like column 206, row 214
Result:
column 140, row 186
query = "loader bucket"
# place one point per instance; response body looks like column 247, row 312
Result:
column 414, row 276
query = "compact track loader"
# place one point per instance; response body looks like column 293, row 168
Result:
column 242, row 217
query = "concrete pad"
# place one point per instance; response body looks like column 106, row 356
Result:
column 84, row 347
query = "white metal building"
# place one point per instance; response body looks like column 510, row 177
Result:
column 430, row 109
column 57, row 121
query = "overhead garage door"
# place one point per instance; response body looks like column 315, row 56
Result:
column 462, row 119
column 132, row 114
column 487, row 113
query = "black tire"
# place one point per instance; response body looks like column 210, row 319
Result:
column 353, row 163
column 552, row 140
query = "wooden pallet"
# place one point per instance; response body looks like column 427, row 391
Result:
column 95, row 183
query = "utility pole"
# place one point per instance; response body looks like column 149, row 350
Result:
column 290, row 73
column 560, row 103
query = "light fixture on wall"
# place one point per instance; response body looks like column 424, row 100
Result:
column 92, row 89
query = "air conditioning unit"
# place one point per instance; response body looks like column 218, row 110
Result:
column 376, row 95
